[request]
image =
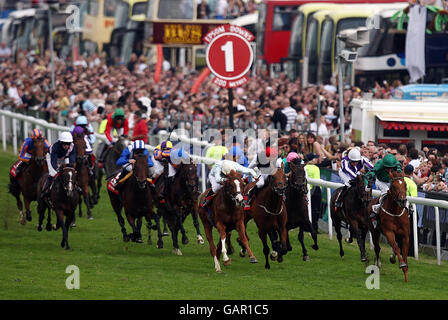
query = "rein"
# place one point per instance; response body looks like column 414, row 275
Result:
column 271, row 213
column 393, row 215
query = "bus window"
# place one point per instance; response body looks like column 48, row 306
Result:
column 260, row 28
column 283, row 17
column 311, row 51
column 110, row 6
column 175, row 9
column 325, row 50
column 139, row 8
column 121, row 15
column 93, row 8
column 296, row 37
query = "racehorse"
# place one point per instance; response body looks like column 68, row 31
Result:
column 110, row 158
column 268, row 210
column 297, row 207
column 225, row 214
column 181, row 199
column 136, row 198
column 82, row 168
column 63, row 198
column 393, row 222
column 26, row 184
column 353, row 212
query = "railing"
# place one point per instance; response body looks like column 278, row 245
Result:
column 12, row 135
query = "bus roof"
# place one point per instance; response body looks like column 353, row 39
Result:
column 345, row 13
column 19, row 14
column 308, row 8
column 320, row 15
column 247, row 19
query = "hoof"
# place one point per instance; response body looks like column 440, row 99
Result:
column 392, row 259
column 218, row 270
column 125, row 238
column 165, row 234
column 227, row 263
column 274, row 255
column 200, row 239
column 306, row 258
column 139, row 240
column 62, row 243
column 280, row 259
column 49, row 227
column 348, row 240
column 39, row 228
column 267, row 266
column 28, row 216
column 253, row 260
column 242, row 253
column 90, row 217
column 54, row 226
column 22, row 221
column 364, row 259
column 185, row 241
column 159, row 244
column 177, row 252
column 315, row 247
column 402, row 265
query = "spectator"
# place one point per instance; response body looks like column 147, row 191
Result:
column 203, row 10
column 140, row 131
column 222, row 7
column 5, row 52
column 289, row 112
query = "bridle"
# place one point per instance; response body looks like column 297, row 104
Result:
column 300, row 187
column 234, row 196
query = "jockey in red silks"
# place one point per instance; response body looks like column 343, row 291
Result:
column 115, row 121
column 26, row 149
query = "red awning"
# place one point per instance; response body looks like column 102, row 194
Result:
column 394, row 125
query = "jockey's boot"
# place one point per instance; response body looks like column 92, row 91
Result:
column 341, row 196
column 46, row 189
column 208, row 199
column 20, row 168
column 119, row 185
column 375, row 209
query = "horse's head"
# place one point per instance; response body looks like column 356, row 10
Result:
column 397, row 188
column 234, row 186
column 297, row 178
column 363, row 191
column 189, row 175
column 39, row 151
column 80, row 147
column 68, row 180
column 140, row 170
column 278, row 181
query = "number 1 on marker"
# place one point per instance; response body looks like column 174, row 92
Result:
column 228, row 54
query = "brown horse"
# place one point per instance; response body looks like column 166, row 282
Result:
column 64, row 198
column 393, row 222
column 225, row 214
column 82, row 167
column 26, row 184
column 353, row 212
column 268, row 210
column 136, row 198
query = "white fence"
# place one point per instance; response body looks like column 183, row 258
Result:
column 13, row 123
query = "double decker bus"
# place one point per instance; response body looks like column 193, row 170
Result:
column 127, row 35
column 98, row 24
column 275, row 24
column 174, row 24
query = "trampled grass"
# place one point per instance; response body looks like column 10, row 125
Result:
column 33, row 265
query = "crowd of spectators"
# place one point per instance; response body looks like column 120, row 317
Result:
column 224, row 9
column 93, row 88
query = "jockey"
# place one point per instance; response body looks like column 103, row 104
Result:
column 89, row 150
column 381, row 171
column 115, row 121
column 351, row 165
column 217, row 153
column 127, row 159
column 258, row 164
column 81, row 121
column 61, row 152
column 162, row 151
column 292, row 157
column 218, row 174
column 27, row 147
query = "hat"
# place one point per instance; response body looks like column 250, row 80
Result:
column 409, row 169
column 311, row 157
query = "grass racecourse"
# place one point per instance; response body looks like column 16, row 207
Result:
column 33, row 265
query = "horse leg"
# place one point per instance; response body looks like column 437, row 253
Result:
column 131, row 222
column 208, row 229
column 49, row 227
column 313, row 233
column 139, row 230
column 60, row 217
column 375, row 234
column 87, row 202
column 266, row 249
column 80, row 206
column 14, row 189
column 283, row 235
column 360, row 237
column 194, row 215
column 165, row 228
column 396, row 250
column 159, row 232
column 120, row 219
column 181, row 226
column 305, row 256
column 222, row 235
column 241, row 229
column 68, row 221
column 230, row 249
column 404, row 252
column 41, row 211
column 27, row 202
column 174, row 228
column 275, row 245
column 337, row 227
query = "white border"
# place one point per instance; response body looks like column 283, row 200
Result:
column 250, row 50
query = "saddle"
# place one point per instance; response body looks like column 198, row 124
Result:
column 14, row 167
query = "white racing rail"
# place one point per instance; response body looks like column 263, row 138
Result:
column 11, row 136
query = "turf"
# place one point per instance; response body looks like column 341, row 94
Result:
column 33, row 265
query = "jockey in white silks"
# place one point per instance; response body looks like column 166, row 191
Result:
column 220, row 170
